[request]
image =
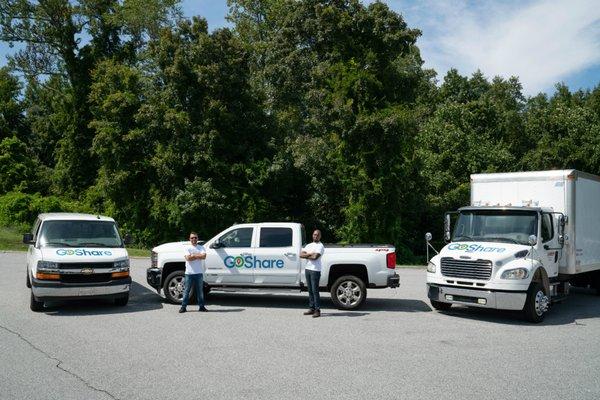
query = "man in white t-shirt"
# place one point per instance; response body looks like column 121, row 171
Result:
column 195, row 255
column 313, row 252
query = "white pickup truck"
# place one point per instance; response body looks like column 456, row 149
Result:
column 265, row 256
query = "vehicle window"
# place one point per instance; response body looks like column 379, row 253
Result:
column 241, row 237
column 495, row 226
column 73, row 233
column 547, row 231
column 36, row 229
column 275, row 237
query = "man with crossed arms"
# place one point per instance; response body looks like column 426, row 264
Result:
column 195, row 255
column 312, row 253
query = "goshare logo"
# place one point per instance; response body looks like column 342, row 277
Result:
column 83, row 252
column 474, row 248
column 251, row 262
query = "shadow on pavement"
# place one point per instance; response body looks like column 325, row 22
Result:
column 140, row 299
column 279, row 300
column 581, row 304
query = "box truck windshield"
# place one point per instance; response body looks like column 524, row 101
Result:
column 507, row 226
column 72, row 233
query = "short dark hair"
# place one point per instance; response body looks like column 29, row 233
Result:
column 193, row 233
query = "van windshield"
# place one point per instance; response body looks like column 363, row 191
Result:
column 507, row 226
column 79, row 234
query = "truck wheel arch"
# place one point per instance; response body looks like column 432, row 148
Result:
column 338, row 270
column 169, row 267
column 541, row 276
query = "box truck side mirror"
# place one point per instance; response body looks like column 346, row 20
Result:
column 447, row 230
column 532, row 240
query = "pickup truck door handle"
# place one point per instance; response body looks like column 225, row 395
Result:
column 290, row 255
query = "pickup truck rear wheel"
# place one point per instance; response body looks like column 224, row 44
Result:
column 34, row 304
column 348, row 292
column 173, row 287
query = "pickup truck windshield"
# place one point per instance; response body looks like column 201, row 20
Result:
column 79, row 234
column 495, row 226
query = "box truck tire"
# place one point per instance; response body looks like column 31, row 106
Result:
column 438, row 305
column 536, row 304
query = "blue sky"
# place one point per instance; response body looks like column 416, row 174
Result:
column 540, row 41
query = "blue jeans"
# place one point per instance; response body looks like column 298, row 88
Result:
column 312, row 282
column 197, row 281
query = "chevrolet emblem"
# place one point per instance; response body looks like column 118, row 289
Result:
column 87, row 271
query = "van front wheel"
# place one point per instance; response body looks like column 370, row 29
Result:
column 34, row 304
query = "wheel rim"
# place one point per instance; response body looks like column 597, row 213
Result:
column 175, row 287
column 541, row 303
column 349, row 293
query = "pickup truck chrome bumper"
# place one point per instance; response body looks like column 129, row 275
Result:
column 49, row 290
column 477, row 298
column 154, row 276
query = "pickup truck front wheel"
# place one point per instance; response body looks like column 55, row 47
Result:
column 173, row 287
column 348, row 292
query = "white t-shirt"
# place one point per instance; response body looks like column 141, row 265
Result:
column 314, row 265
column 194, row 266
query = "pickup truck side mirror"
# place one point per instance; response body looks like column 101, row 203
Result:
column 216, row 245
column 28, row 238
column 127, row 239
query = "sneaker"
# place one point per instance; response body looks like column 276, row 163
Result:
column 317, row 314
column 182, row 310
column 202, row 309
column 309, row 312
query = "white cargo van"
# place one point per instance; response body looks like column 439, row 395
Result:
column 74, row 256
column 523, row 240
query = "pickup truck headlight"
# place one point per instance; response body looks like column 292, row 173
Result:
column 517, row 273
column 122, row 264
column 431, row 267
column 47, row 265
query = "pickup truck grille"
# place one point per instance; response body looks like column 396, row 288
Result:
column 470, row 269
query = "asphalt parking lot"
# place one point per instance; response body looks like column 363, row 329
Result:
column 256, row 346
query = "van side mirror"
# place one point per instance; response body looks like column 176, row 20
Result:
column 127, row 239
column 28, row 238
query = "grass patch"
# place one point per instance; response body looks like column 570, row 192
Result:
column 12, row 239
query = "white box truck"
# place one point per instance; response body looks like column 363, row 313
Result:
column 523, row 240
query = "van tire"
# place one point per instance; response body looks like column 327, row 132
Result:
column 122, row 301
column 441, row 306
column 34, row 304
column 28, row 281
column 173, row 287
column 534, row 309
column 345, row 286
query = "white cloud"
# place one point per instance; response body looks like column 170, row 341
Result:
column 541, row 41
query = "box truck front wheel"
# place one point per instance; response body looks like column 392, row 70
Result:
column 438, row 305
column 536, row 304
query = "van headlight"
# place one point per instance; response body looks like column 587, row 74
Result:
column 122, row 264
column 47, row 265
column 431, row 267
column 517, row 273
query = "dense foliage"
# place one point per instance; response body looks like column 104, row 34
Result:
column 318, row 111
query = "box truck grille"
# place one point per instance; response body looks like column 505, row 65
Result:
column 470, row 269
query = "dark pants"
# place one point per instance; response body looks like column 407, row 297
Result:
column 197, row 281
column 312, row 282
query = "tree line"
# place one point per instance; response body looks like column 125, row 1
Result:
column 317, row 111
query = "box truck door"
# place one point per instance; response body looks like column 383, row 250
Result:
column 551, row 247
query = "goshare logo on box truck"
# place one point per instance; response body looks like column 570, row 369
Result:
column 474, row 248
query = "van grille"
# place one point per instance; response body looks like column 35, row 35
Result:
column 85, row 278
column 93, row 265
column 470, row 269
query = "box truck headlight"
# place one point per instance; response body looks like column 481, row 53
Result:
column 431, row 267
column 517, row 273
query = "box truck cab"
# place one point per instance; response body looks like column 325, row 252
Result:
column 74, row 256
column 525, row 237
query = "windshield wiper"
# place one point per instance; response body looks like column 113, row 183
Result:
column 463, row 238
column 500, row 239
column 57, row 244
column 93, row 244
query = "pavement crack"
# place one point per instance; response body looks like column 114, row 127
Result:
column 58, row 364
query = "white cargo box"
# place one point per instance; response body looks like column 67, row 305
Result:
column 575, row 194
